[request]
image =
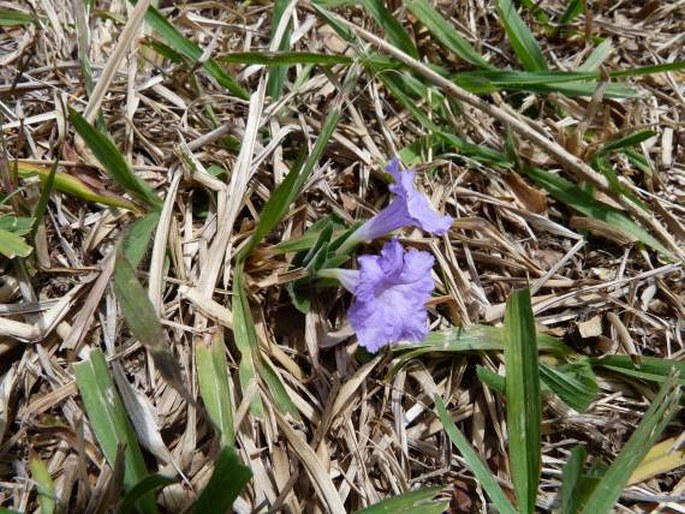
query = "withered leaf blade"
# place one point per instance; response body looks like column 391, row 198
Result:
column 144, row 324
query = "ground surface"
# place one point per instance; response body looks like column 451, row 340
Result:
column 322, row 425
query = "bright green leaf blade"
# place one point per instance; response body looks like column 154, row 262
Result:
column 110, row 424
column 45, row 193
column 394, row 31
column 582, row 201
column 572, row 478
column 72, row 186
column 44, row 484
column 652, row 369
column 179, row 43
column 521, row 38
column 144, row 324
column 227, row 480
column 522, row 382
column 572, row 11
column 478, row 467
column 445, row 32
column 662, row 409
column 574, row 383
column 212, row 374
column 277, row 74
column 412, row 502
column 278, row 58
column 12, row 18
column 137, row 239
column 113, row 161
column 146, row 486
column 12, row 245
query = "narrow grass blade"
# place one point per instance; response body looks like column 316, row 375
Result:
column 113, row 161
column 572, row 481
column 42, row 205
column 245, row 339
column 412, row 502
column 179, row 43
column 46, row 488
column 572, row 11
column 144, row 324
column 598, row 56
column 394, row 31
column 212, row 374
column 277, row 74
column 574, row 383
column 136, row 242
column 445, row 33
column 72, row 186
column 110, row 424
column 13, row 18
column 227, row 480
column 651, row 369
column 146, row 486
column 279, row 58
column 524, row 415
column 583, row 201
column 663, row 407
column 480, row 470
column 521, row 38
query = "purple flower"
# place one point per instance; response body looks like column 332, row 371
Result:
column 408, row 208
column 391, row 291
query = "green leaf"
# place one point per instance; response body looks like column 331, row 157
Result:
column 42, row 205
column 445, row 32
column 651, row 369
column 179, row 43
column 521, row 38
column 12, row 245
column 144, row 324
column 413, row 502
column 227, row 480
column 212, row 374
column 598, row 56
column 574, row 383
column 572, row 11
column 145, row 487
column 661, row 410
column 524, row 416
column 484, row 476
column 12, row 18
column 113, row 161
column 44, row 485
column 393, row 29
column 277, row 74
column 282, row 57
column 575, row 486
column 137, row 239
column 585, row 203
column 110, row 423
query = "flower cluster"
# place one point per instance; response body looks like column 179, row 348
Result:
column 391, row 289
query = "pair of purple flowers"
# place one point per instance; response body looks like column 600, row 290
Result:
column 391, row 289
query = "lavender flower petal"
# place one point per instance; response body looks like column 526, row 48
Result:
column 391, row 297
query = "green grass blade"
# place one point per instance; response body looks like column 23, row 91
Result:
column 574, row 383
column 110, row 423
column 649, row 70
column 227, row 480
column 394, row 31
column 598, row 56
column 445, row 33
column 662, row 409
column 113, row 161
column 480, row 470
column 572, row 11
column 212, row 374
column 136, row 242
column 144, row 324
column 572, row 480
column 277, row 74
column 146, row 486
column 44, row 484
column 521, row 38
column 422, row 500
column 245, row 339
column 583, row 202
column 281, row 58
column 524, row 416
column 13, row 18
column 42, row 205
column 651, row 369
column 72, row 186
column 181, row 44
